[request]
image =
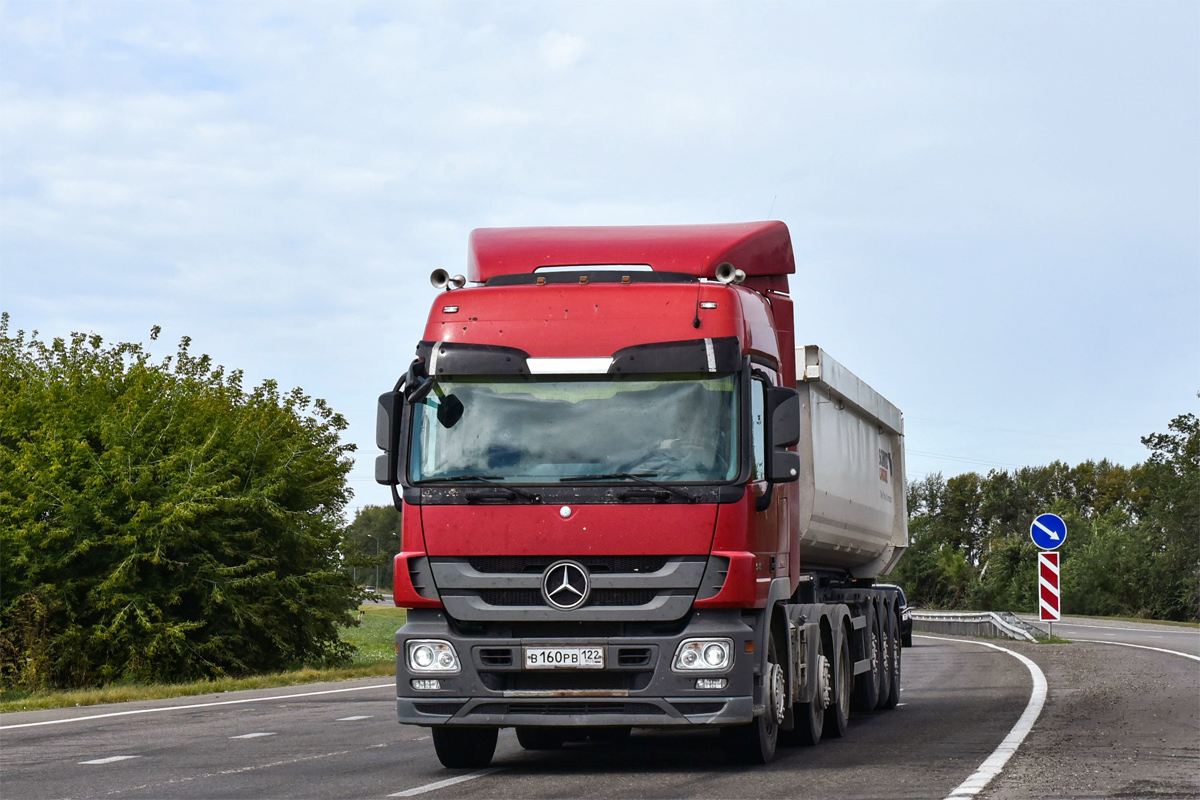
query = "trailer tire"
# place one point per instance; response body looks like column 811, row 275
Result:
column 755, row 742
column 465, row 748
column 837, row 716
column 536, row 738
column 867, row 685
column 893, row 697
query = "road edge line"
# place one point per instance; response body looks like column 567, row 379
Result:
column 994, row 763
column 192, row 705
column 430, row 787
column 1140, row 647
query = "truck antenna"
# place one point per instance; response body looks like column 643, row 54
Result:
column 773, row 199
column 696, row 319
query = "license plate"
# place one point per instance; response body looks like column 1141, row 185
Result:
column 564, row 658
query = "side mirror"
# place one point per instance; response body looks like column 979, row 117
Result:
column 783, row 411
column 388, row 415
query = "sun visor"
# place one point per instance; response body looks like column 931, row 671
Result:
column 689, row 355
column 453, row 358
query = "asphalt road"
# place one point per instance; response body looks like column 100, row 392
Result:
column 1118, row 722
column 1147, row 634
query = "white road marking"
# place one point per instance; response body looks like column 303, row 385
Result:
column 108, row 760
column 352, row 719
column 430, row 787
column 1140, row 647
column 253, row 735
column 1173, row 628
column 196, row 705
column 901, row 704
column 992, row 765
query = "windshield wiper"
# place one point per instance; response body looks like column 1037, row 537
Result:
column 640, row 477
column 491, row 480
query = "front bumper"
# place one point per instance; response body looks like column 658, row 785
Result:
column 637, row 688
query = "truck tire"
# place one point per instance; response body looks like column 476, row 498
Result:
column 532, row 738
column 755, row 742
column 465, row 748
column 866, row 685
column 837, row 716
column 810, row 717
column 893, row 644
column 887, row 657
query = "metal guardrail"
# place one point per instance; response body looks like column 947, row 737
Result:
column 975, row 623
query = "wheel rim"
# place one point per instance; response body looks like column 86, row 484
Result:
column 778, row 693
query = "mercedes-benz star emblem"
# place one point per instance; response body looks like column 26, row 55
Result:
column 566, row 585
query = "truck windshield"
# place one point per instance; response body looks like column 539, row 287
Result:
column 676, row 428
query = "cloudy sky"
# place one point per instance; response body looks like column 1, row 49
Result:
column 995, row 206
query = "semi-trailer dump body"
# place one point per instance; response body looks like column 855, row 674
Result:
column 630, row 500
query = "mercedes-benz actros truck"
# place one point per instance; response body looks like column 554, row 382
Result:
column 629, row 499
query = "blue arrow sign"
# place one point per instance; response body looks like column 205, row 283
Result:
column 1048, row 531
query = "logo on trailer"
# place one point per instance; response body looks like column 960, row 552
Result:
column 1049, row 595
column 566, row 585
column 885, row 466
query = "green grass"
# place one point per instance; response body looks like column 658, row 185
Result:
column 375, row 657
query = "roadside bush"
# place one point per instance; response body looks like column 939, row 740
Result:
column 160, row 523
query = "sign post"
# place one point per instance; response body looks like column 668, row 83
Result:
column 1048, row 532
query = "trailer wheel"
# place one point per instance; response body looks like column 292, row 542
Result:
column 837, row 716
column 810, row 717
column 893, row 698
column 867, row 685
column 465, row 747
column 755, row 743
column 532, row 738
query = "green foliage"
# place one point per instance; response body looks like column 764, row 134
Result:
column 1133, row 549
column 160, row 523
column 372, row 541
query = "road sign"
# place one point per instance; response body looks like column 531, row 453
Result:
column 1049, row 602
column 1048, row 531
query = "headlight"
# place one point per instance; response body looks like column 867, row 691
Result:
column 432, row 655
column 703, row 654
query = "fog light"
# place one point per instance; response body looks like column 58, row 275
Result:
column 431, row 655
column 426, row 684
column 711, row 683
column 703, row 654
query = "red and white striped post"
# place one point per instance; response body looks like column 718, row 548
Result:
column 1049, row 595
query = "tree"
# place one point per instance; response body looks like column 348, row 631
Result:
column 160, row 523
column 372, row 540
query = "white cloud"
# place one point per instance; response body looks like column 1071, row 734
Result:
column 560, row 51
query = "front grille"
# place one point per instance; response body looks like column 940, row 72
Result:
column 496, row 656
column 627, row 588
column 599, row 597
column 621, row 597
column 633, row 656
column 511, row 597
column 535, row 707
column 538, row 564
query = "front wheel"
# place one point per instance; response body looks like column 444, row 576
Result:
column 465, row 748
column 755, row 743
